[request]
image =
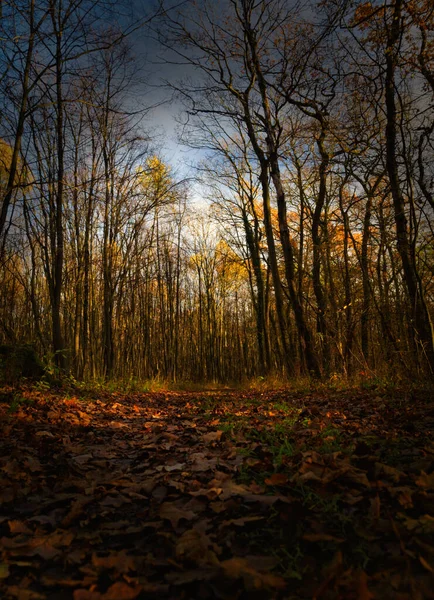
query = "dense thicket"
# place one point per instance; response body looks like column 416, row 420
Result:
column 316, row 255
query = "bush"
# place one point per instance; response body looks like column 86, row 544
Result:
column 19, row 361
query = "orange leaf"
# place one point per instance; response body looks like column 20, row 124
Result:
column 237, row 568
column 121, row 591
column 363, row 592
column 277, row 479
column 425, row 564
column 426, row 481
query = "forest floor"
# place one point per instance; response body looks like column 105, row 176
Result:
column 217, row 495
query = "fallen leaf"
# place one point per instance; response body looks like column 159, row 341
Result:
column 374, row 511
column 239, row 568
column 391, row 473
column 16, row 527
column 19, row 593
column 363, row 592
column 118, row 561
column 277, row 479
column 195, row 546
column 425, row 564
column 4, row 570
column 426, row 481
column 241, row 522
column 322, row 537
column 76, row 511
column 174, row 514
column 212, row 436
column 121, row 591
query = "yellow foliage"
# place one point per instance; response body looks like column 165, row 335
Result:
column 229, row 265
column 5, row 161
column 22, row 176
column 155, row 178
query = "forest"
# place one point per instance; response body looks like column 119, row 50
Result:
column 216, row 299
column 311, row 249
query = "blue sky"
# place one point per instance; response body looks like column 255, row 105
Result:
column 162, row 119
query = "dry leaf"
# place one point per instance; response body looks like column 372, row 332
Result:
column 363, row 592
column 212, row 436
column 425, row 564
column 322, row 537
column 426, row 481
column 194, row 545
column 239, row 568
column 277, row 479
column 121, row 591
column 174, row 514
column 4, row 570
column 119, row 561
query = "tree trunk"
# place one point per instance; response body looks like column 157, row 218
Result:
column 421, row 321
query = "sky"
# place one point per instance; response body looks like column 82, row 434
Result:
column 163, row 119
column 157, row 71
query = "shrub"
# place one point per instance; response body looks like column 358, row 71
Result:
column 19, row 361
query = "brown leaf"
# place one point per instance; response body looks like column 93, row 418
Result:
column 119, row 561
column 212, row 437
column 210, row 493
column 239, row 568
column 201, row 463
column 424, row 524
column 218, row 507
column 228, row 486
column 36, row 546
column 425, row 564
column 241, row 522
column 391, row 473
column 277, row 479
column 174, row 514
column 19, row 527
column 266, row 500
column 363, row 592
column 20, row 593
column 33, row 464
column 194, row 545
column 426, row 481
column 403, row 495
column 357, row 476
column 174, row 467
column 44, row 433
column 330, row 572
column 55, row 579
column 114, row 501
column 121, row 591
column 375, row 508
column 322, row 537
column 76, row 511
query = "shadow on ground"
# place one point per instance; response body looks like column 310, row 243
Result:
column 226, row 495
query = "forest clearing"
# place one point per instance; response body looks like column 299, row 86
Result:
column 218, row 494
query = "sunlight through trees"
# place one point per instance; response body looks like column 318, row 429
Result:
column 315, row 127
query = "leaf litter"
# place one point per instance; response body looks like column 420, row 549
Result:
column 217, row 495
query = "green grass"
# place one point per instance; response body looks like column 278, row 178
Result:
column 333, row 441
column 290, row 559
column 18, row 402
column 287, row 409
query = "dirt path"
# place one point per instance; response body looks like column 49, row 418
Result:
column 216, row 495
